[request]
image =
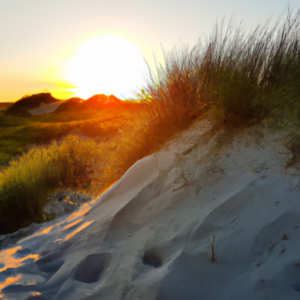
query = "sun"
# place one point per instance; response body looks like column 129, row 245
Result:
column 107, row 64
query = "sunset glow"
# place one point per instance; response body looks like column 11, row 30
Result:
column 106, row 64
column 7, row 282
column 83, row 210
column 44, row 231
column 72, row 224
column 86, row 224
column 9, row 261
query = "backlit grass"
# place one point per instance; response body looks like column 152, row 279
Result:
column 242, row 74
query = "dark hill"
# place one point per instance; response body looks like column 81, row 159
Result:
column 35, row 100
column 100, row 101
column 27, row 102
column 69, row 105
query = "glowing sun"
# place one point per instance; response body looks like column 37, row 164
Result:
column 107, row 64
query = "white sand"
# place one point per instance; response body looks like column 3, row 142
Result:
column 149, row 236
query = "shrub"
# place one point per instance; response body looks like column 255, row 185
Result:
column 27, row 181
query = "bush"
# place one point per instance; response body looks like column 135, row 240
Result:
column 27, row 181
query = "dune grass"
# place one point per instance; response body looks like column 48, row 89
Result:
column 242, row 74
column 25, row 184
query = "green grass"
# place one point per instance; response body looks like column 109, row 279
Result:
column 26, row 183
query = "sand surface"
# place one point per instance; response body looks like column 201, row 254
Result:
column 150, row 236
column 45, row 109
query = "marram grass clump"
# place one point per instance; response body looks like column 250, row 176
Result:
column 27, row 181
column 243, row 74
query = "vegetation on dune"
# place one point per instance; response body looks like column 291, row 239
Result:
column 25, row 184
column 99, row 154
column 243, row 75
column 20, row 107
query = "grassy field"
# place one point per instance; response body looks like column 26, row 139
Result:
column 17, row 133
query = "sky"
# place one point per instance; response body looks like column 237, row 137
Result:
column 39, row 38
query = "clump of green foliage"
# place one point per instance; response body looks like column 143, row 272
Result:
column 26, row 183
column 242, row 74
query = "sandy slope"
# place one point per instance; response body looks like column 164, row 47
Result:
column 149, row 236
column 45, row 109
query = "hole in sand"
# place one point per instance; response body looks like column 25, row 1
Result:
column 90, row 269
column 150, row 258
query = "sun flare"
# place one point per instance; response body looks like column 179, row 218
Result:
column 107, row 64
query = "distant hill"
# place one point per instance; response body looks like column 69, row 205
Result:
column 100, row 101
column 20, row 107
column 96, row 102
column 69, row 105
column 35, row 100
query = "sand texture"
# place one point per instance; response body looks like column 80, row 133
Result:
column 150, row 236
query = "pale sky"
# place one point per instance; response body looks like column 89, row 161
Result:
column 39, row 36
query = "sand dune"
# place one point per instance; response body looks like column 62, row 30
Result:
column 150, row 235
column 45, row 109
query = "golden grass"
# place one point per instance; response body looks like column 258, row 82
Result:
column 243, row 74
